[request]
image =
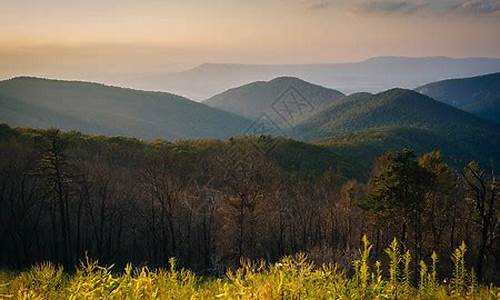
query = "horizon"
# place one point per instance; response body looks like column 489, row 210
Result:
column 99, row 40
column 225, row 87
column 208, row 63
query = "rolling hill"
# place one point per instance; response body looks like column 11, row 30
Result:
column 99, row 109
column 366, row 125
column 479, row 95
column 357, row 128
column 283, row 99
column 372, row 75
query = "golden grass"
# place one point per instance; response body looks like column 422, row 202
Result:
column 293, row 277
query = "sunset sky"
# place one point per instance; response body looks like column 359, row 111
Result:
column 82, row 38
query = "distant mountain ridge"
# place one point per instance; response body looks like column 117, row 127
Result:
column 479, row 95
column 400, row 117
column 100, row 109
column 297, row 98
column 372, row 75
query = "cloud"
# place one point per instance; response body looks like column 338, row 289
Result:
column 476, row 7
column 390, row 6
column 314, row 4
column 406, row 7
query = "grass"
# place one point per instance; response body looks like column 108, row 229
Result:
column 293, row 277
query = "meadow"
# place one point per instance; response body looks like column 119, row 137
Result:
column 293, row 277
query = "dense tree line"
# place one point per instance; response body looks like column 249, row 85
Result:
column 212, row 203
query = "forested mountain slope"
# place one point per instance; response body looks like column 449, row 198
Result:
column 96, row 108
column 369, row 124
column 274, row 97
column 396, row 107
column 479, row 95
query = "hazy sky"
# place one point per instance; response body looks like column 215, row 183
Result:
column 107, row 37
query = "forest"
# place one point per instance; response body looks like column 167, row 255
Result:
column 210, row 204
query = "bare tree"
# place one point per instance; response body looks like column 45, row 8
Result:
column 482, row 188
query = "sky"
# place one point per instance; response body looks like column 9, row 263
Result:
column 94, row 38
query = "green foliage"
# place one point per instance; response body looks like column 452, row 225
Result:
column 459, row 271
column 364, row 269
column 44, row 280
column 428, row 286
column 394, row 261
column 406, row 272
column 399, row 185
column 293, row 277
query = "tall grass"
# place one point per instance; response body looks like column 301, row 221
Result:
column 294, row 277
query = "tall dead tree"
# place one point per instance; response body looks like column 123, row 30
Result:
column 55, row 169
column 482, row 189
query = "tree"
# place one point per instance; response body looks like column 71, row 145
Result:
column 248, row 177
column 440, row 198
column 163, row 180
column 59, row 176
column 21, row 210
column 482, row 191
column 397, row 190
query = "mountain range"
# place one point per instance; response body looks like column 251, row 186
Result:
column 372, row 75
column 392, row 108
column 359, row 126
column 366, row 125
column 479, row 95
